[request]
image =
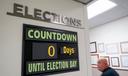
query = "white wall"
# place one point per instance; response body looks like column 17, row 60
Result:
column 11, row 33
column 114, row 32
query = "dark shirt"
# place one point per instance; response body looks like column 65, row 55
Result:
column 109, row 72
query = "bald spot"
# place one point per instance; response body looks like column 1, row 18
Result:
column 102, row 64
column 104, row 61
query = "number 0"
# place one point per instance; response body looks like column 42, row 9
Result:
column 51, row 51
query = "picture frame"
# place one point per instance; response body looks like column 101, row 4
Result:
column 100, row 48
column 124, row 61
column 107, row 58
column 94, row 59
column 115, row 62
column 112, row 48
column 124, row 47
column 93, row 47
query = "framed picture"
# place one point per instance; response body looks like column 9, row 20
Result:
column 93, row 48
column 107, row 58
column 94, row 59
column 112, row 48
column 100, row 47
column 124, row 61
column 115, row 62
column 124, row 47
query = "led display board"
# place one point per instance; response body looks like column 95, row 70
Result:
column 48, row 51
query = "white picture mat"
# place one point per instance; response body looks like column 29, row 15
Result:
column 92, row 47
column 124, row 60
column 112, row 48
column 101, row 47
column 94, row 59
column 115, row 61
column 124, row 47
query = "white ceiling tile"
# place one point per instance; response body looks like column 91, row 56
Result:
column 116, row 13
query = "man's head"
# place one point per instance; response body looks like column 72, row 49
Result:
column 102, row 64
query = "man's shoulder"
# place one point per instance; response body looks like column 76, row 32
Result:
column 110, row 72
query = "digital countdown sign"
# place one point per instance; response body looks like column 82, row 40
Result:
column 48, row 51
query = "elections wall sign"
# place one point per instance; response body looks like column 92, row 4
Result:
column 48, row 51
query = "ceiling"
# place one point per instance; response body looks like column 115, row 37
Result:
column 83, row 1
column 120, row 11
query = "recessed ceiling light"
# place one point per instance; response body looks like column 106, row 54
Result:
column 98, row 7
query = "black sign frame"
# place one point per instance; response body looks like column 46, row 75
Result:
column 27, row 53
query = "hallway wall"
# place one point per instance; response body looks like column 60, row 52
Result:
column 11, row 29
column 113, row 32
